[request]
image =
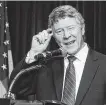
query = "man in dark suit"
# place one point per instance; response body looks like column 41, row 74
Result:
column 67, row 26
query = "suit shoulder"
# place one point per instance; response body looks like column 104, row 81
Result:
column 101, row 58
column 100, row 55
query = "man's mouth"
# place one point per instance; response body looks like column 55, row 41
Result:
column 69, row 43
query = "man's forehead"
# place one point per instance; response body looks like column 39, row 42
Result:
column 66, row 22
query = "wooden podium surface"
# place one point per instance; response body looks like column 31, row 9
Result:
column 4, row 101
column 23, row 102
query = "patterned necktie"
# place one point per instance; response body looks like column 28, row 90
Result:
column 70, row 83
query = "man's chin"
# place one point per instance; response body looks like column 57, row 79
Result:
column 72, row 52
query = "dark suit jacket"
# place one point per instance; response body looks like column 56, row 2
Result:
column 47, row 81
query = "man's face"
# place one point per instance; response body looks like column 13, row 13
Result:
column 69, row 35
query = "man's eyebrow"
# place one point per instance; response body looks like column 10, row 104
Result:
column 58, row 29
column 70, row 26
column 65, row 27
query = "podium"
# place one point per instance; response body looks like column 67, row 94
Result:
column 4, row 101
column 24, row 102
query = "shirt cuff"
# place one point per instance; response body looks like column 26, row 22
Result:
column 30, row 57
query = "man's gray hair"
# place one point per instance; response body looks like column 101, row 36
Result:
column 62, row 12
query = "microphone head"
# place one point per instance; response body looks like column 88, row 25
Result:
column 48, row 54
column 59, row 52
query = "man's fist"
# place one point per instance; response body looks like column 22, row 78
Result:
column 41, row 41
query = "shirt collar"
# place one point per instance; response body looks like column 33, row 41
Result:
column 82, row 54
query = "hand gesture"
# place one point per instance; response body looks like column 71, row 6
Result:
column 41, row 41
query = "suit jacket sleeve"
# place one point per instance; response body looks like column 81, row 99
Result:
column 23, row 84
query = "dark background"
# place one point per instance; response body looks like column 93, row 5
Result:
column 27, row 18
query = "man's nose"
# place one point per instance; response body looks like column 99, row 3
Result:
column 66, row 34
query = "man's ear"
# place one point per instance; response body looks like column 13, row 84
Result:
column 83, row 29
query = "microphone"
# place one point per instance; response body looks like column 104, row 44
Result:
column 50, row 54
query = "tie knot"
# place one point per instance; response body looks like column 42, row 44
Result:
column 71, row 58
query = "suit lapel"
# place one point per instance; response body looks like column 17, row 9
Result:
column 88, row 76
column 58, row 73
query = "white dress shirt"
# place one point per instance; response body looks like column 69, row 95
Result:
column 79, row 64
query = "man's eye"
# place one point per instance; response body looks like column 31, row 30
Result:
column 59, row 31
column 71, row 28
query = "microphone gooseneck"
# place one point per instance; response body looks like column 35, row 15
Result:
column 23, row 71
